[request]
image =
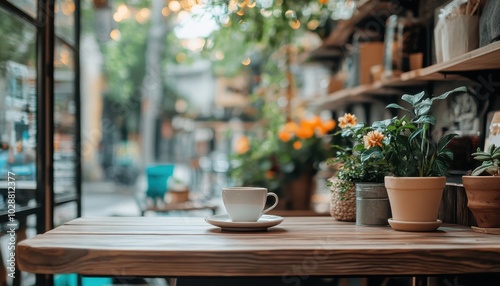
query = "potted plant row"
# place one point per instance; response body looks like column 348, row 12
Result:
column 416, row 162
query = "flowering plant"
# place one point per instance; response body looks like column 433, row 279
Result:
column 406, row 143
column 280, row 151
column 352, row 140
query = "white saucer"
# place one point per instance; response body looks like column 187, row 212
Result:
column 224, row 222
column 414, row 226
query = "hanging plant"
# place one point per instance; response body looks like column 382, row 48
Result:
column 260, row 27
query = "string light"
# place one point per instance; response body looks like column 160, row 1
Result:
column 115, row 34
column 313, row 24
column 246, row 62
column 122, row 13
column 180, row 57
column 219, row 55
column 143, row 15
column 174, row 6
column 290, row 14
column 68, row 8
column 295, row 24
column 165, row 11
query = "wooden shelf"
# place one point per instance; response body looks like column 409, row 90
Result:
column 482, row 59
column 345, row 27
column 333, row 45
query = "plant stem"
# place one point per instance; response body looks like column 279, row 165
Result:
column 424, row 161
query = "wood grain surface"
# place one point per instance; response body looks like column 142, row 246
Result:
column 161, row 246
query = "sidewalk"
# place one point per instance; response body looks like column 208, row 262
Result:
column 106, row 198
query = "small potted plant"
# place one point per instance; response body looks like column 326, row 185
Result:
column 482, row 187
column 358, row 191
column 418, row 163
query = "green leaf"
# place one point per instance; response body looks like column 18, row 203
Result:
column 409, row 98
column 397, row 106
column 372, row 153
column 444, row 141
column 492, row 170
column 440, row 167
column 415, row 134
column 381, row 124
column 497, row 149
column 490, row 149
column 445, row 95
column 448, row 154
column 479, row 170
column 423, row 109
column 425, row 119
column 481, row 157
column 418, row 97
column 409, row 126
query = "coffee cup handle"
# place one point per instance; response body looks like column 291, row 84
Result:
column 275, row 202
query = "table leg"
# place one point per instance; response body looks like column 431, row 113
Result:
column 419, row 281
column 172, row 282
column 21, row 235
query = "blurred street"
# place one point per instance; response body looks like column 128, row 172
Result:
column 108, row 199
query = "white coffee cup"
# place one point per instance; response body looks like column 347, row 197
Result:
column 246, row 204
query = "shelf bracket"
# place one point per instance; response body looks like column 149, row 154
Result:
column 488, row 81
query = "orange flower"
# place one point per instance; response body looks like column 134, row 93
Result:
column 291, row 127
column 270, row 174
column 323, row 1
column 284, row 135
column 287, row 131
column 305, row 132
column 320, row 130
column 316, row 121
column 297, row 145
column 348, row 120
column 306, row 124
column 373, row 138
column 242, row 145
column 329, row 124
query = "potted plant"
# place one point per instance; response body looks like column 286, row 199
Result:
column 417, row 162
column 358, row 191
column 483, row 188
column 283, row 156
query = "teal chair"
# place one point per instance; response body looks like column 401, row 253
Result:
column 157, row 178
column 72, row 280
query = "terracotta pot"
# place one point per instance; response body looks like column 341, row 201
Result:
column 415, row 199
column 297, row 193
column 483, row 195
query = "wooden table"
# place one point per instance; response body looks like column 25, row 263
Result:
column 176, row 247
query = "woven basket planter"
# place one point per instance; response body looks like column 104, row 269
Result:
column 343, row 206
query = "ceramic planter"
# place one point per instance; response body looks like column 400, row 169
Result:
column 415, row 202
column 483, row 195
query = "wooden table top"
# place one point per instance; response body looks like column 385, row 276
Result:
column 176, row 247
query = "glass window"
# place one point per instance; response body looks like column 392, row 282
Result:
column 17, row 101
column 28, row 6
column 65, row 19
column 64, row 120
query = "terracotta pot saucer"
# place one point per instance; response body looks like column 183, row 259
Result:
column 414, row 226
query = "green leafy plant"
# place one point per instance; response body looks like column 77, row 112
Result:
column 408, row 147
column 490, row 159
column 351, row 141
